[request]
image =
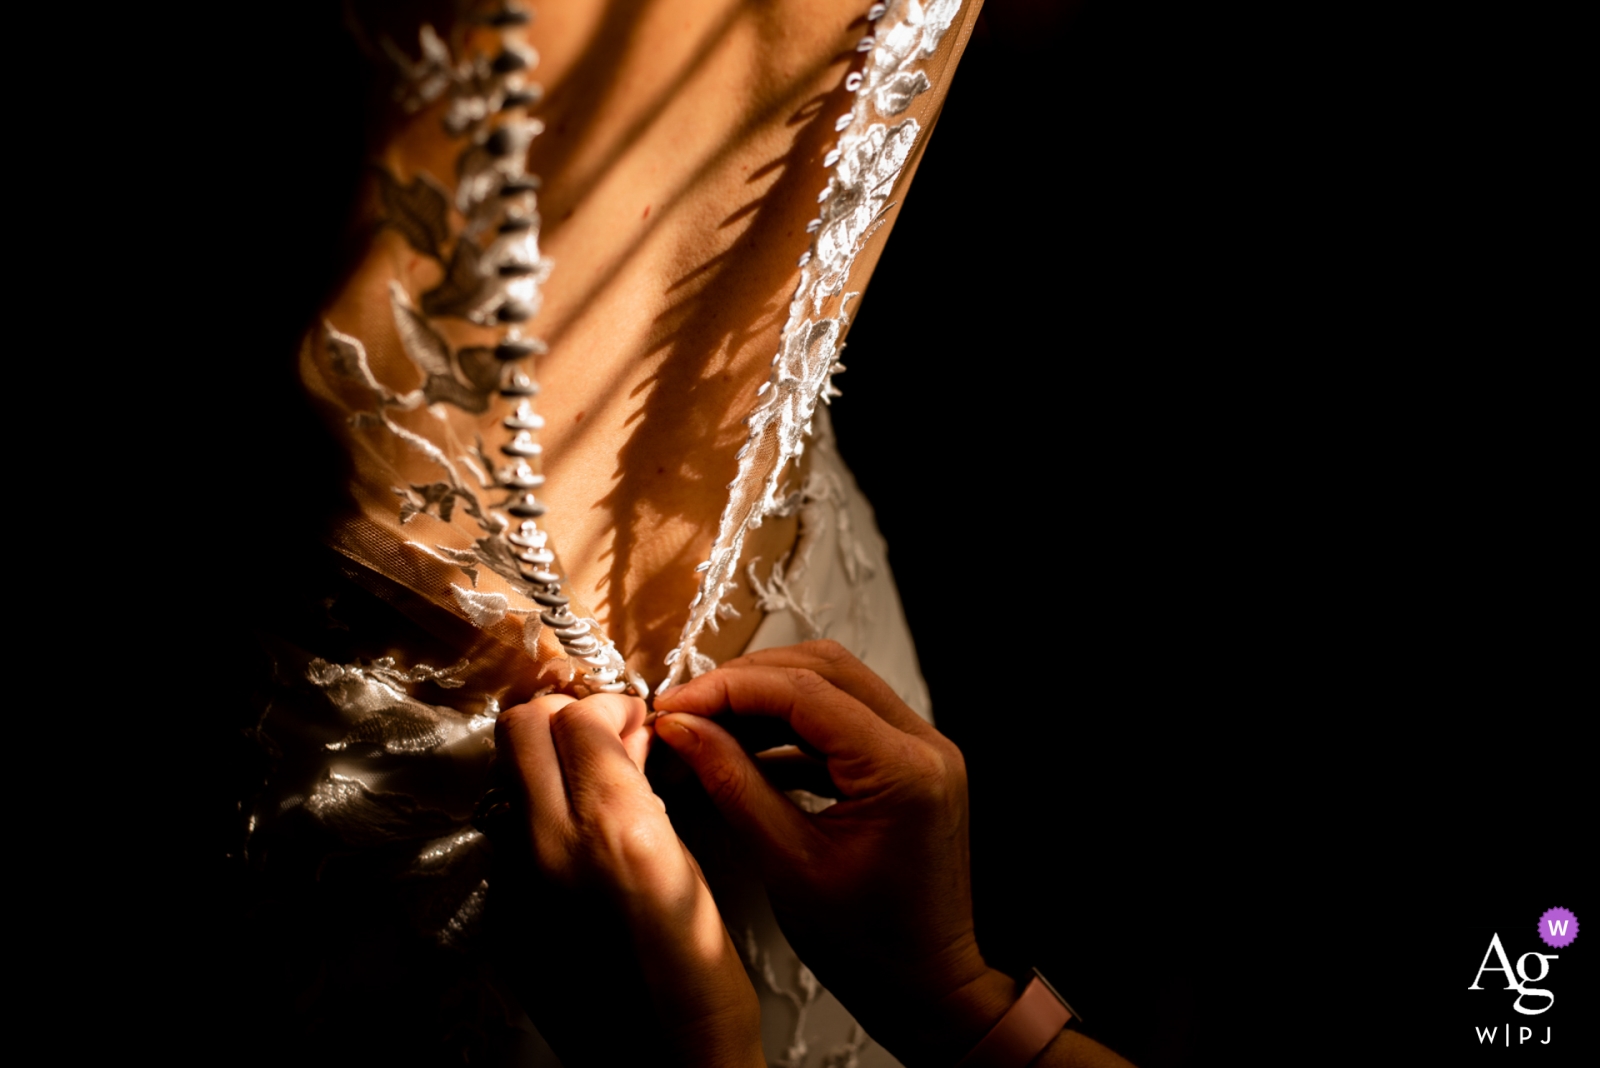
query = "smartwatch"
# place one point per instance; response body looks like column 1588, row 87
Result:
column 1025, row 1030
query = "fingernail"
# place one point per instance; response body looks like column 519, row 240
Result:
column 678, row 733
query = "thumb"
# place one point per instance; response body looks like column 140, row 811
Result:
column 754, row 808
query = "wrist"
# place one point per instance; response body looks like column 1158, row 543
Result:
column 718, row 1043
column 938, row 1033
column 975, row 1008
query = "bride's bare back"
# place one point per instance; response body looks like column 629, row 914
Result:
column 681, row 161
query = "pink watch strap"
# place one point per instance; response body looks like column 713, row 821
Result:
column 1024, row 1031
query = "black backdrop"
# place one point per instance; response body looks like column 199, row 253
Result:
column 1043, row 430
column 1211, row 396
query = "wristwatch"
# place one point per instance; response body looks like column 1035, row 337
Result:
column 1026, row 1029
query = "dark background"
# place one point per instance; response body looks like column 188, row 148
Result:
column 1212, row 388
column 1060, row 402
column 1216, row 397
column 1044, row 403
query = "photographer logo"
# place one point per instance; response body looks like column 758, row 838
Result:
column 1558, row 928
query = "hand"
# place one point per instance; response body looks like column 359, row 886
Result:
column 596, row 829
column 873, row 892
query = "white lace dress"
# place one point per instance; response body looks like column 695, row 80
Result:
column 387, row 756
column 838, row 585
column 366, row 765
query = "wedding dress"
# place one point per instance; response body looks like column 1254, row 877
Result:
column 381, row 759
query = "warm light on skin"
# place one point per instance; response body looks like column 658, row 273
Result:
column 681, row 161
column 596, row 824
column 878, row 886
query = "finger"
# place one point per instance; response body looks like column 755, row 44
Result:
column 835, row 723
column 627, row 716
column 753, row 808
column 637, row 745
column 597, row 768
column 623, row 714
column 839, row 666
column 523, row 733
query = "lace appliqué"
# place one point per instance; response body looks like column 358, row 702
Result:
column 759, row 962
column 360, row 787
column 787, row 587
column 493, row 277
column 865, row 165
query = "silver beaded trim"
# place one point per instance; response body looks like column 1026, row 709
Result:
column 496, row 190
column 490, row 98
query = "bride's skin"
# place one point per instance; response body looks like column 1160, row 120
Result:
column 681, row 161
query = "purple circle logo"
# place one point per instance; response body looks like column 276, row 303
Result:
column 1558, row 927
